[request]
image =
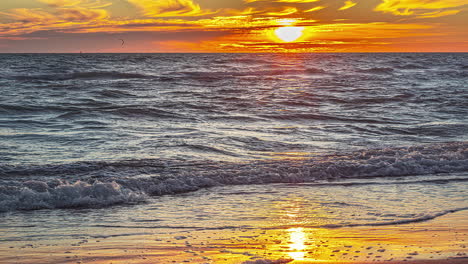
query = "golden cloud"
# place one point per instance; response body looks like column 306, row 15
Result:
column 81, row 3
column 283, row 1
column 79, row 14
column 29, row 15
column 60, row 3
column 286, row 11
column 440, row 14
column 421, row 8
column 317, row 8
column 169, row 8
column 65, row 14
column 348, row 4
column 72, row 14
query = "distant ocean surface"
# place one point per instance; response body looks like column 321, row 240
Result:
column 92, row 131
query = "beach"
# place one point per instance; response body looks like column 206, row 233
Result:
column 437, row 241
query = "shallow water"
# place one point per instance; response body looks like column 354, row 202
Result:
column 349, row 203
column 230, row 224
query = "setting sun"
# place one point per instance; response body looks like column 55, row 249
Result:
column 289, row 34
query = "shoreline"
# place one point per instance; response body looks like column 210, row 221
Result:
column 442, row 240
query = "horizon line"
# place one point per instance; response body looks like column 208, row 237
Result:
column 329, row 52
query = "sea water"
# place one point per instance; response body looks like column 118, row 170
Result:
column 112, row 142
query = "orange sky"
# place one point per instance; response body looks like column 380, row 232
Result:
column 234, row 25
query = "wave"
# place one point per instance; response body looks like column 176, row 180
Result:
column 371, row 100
column 243, row 60
column 434, row 129
column 208, row 149
column 91, row 184
column 82, row 75
column 420, row 219
column 29, row 108
column 397, row 182
column 455, row 73
column 242, row 118
column 377, row 70
column 91, row 107
column 411, row 67
column 221, row 75
column 417, row 219
column 141, row 111
column 33, row 195
column 114, row 94
column 315, row 71
column 312, row 116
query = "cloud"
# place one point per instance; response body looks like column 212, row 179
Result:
column 61, row 15
column 284, row 12
column 283, row 1
column 421, row 8
column 79, row 14
column 29, row 15
column 60, row 3
column 81, row 3
column 317, row 8
column 439, row 14
column 348, row 4
column 75, row 11
column 169, row 8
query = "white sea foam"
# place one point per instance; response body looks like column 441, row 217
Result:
column 40, row 195
column 133, row 181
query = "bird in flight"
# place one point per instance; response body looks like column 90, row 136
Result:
column 123, row 42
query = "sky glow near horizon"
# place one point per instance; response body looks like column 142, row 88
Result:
column 234, row 26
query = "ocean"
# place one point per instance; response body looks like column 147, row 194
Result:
column 108, row 145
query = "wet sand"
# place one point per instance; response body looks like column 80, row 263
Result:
column 442, row 240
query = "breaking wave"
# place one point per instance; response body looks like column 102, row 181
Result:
column 33, row 195
column 107, row 183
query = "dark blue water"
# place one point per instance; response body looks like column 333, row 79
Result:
column 93, row 130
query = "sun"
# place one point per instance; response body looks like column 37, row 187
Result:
column 289, row 34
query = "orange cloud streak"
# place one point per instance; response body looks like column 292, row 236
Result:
column 347, row 5
column 169, row 8
column 420, row 7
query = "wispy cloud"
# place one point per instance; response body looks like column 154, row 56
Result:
column 169, row 8
column 81, row 3
column 348, row 4
column 283, row 1
column 313, row 9
column 61, row 15
column 284, row 12
column 422, row 8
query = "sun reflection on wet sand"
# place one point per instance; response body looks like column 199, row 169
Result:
column 290, row 228
column 294, row 245
column 298, row 243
